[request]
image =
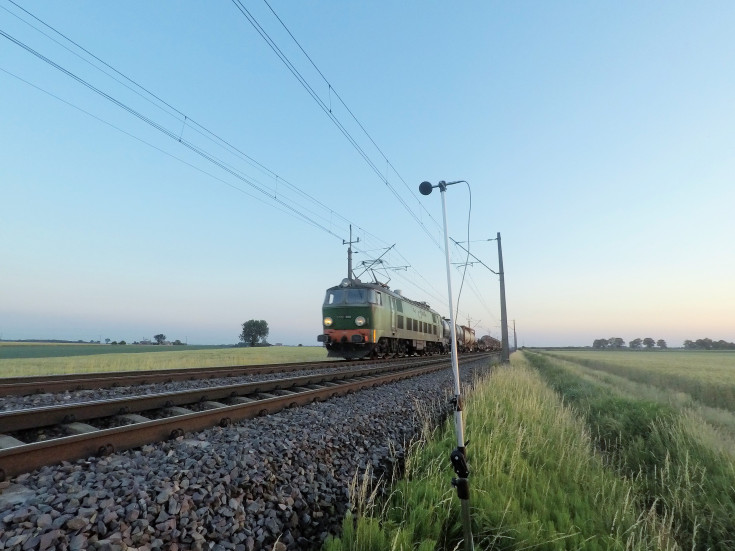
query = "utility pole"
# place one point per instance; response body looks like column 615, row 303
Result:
column 505, row 354
column 515, row 337
column 349, row 253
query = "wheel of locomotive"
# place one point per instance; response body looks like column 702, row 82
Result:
column 383, row 347
column 401, row 349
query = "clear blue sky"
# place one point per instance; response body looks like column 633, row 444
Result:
column 597, row 138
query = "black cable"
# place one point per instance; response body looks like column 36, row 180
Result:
column 225, row 182
column 162, row 129
column 285, row 208
column 213, row 137
column 331, row 89
column 91, row 54
column 295, row 72
column 186, row 118
column 464, row 273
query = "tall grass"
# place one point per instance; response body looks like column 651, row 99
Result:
column 676, row 472
column 536, row 483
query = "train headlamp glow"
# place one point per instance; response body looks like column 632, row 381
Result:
column 328, row 322
column 359, row 321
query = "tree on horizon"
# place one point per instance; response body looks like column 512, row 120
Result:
column 254, row 331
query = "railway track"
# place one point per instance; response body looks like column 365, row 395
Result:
column 98, row 428
column 23, row 386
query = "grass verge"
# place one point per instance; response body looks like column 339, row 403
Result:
column 536, row 483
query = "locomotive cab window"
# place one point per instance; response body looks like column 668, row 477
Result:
column 356, row 296
column 374, row 297
column 336, row 296
column 346, row 296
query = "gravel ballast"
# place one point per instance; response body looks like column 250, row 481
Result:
column 276, row 482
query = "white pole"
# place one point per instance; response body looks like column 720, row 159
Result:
column 458, row 421
column 459, row 455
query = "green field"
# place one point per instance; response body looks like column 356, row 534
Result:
column 715, row 365
column 17, row 360
column 17, row 350
column 705, row 376
column 566, row 454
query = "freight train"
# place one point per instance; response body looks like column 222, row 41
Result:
column 362, row 320
column 488, row 343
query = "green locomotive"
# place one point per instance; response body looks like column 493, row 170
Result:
column 363, row 320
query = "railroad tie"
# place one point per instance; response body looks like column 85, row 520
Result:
column 79, row 428
column 9, row 442
column 241, row 400
column 176, row 410
column 133, row 418
column 209, row 404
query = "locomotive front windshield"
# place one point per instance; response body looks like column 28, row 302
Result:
column 349, row 296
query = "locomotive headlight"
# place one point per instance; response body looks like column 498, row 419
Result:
column 328, row 322
column 359, row 321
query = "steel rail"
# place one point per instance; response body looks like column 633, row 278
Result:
column 26, row 458
column 33, row 418
column 22, row 386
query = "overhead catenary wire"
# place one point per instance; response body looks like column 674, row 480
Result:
column 175, row 135
column 164, row 130
column 478, row 294
column 473, row 256
column 266, row 195
column 325, row 108
column 199, row 169
column 141, row 140
column 184, row 118
column 354, row 117
column 160, row 102
column 464, row 272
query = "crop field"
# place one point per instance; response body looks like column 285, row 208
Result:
column 567, row 456
column 706, row 376
column 17, row 350
column 715, row 365
column 18, row 360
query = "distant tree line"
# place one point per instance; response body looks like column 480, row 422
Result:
column 709, row 344
column 159, row 339
column 616, row 343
